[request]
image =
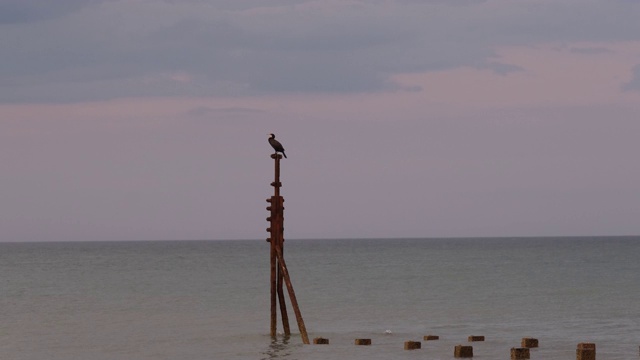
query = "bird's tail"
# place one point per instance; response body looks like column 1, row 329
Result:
column 285, row 155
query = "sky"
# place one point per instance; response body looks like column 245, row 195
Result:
column 149, row 119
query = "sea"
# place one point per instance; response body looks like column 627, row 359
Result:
column 196, row 300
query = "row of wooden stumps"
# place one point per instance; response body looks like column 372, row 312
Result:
column 584, row 351
column 279, row 272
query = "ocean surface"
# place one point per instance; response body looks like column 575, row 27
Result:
column 210, row 299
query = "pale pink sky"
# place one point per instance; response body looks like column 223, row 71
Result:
column 400, row 119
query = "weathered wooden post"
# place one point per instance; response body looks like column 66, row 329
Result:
column 279, row 272
column 292, row 297
column 463, row 351
column 586, row 351
column 412, row 345
column 363, row 342
column 520, row 353
column 529, row 343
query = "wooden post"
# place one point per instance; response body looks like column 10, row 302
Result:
column 529, row 343
column 279, row 272
column 586, row 351
column 462, row 351
column 283, row 305
column 363, row 342
column 412, row 345
column 292, row 296
column 277, row 219
column 274, row 310
column 520, row 353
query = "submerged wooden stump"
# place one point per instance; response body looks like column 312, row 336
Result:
column 529, row 343
column 463, row 351
column 586, row 351
column 431, row 337
column 363, row 341
column 520, row 354
column 473, row 338
column 412, row 345
column 321, row 341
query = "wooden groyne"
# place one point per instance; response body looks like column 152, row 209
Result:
column 584, row 351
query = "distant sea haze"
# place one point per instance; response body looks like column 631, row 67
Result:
column 210, row 299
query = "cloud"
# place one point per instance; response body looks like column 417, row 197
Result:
column 590, row 50
column 634, row 84
column 202, row 111
column 108, row 49
column 500, row 68
column 444, row 2
column 25, row 11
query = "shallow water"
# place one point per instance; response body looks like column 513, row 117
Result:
column 210, row 299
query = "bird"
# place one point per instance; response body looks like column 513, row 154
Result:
column 276, row 145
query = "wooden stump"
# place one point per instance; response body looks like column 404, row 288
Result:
column 363, row 341
column 321, row 341
column 529, row 343
column 476, row 338
column 431, row 337
column 586, row 351
column 412, row 345
column 520, row 354
column 463, row 351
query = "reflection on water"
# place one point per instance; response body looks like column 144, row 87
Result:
column 278, row 349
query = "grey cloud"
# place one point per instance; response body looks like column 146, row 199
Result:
column 242, row 5
column 500, row 68
column 444, row 2
column 24, row 11
column 590, row 50
column 634, row 84
column 242, row 47
column 202, row 111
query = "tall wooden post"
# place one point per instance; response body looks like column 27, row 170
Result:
column 278, row 228
column 279, row 272
column 274, row 310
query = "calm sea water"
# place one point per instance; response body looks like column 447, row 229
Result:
column 210, row 300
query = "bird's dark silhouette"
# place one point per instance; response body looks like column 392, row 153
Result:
column 276, row 145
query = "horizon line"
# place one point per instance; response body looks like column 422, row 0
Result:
column 517, row 237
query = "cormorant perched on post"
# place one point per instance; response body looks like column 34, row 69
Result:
column 276, row 145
